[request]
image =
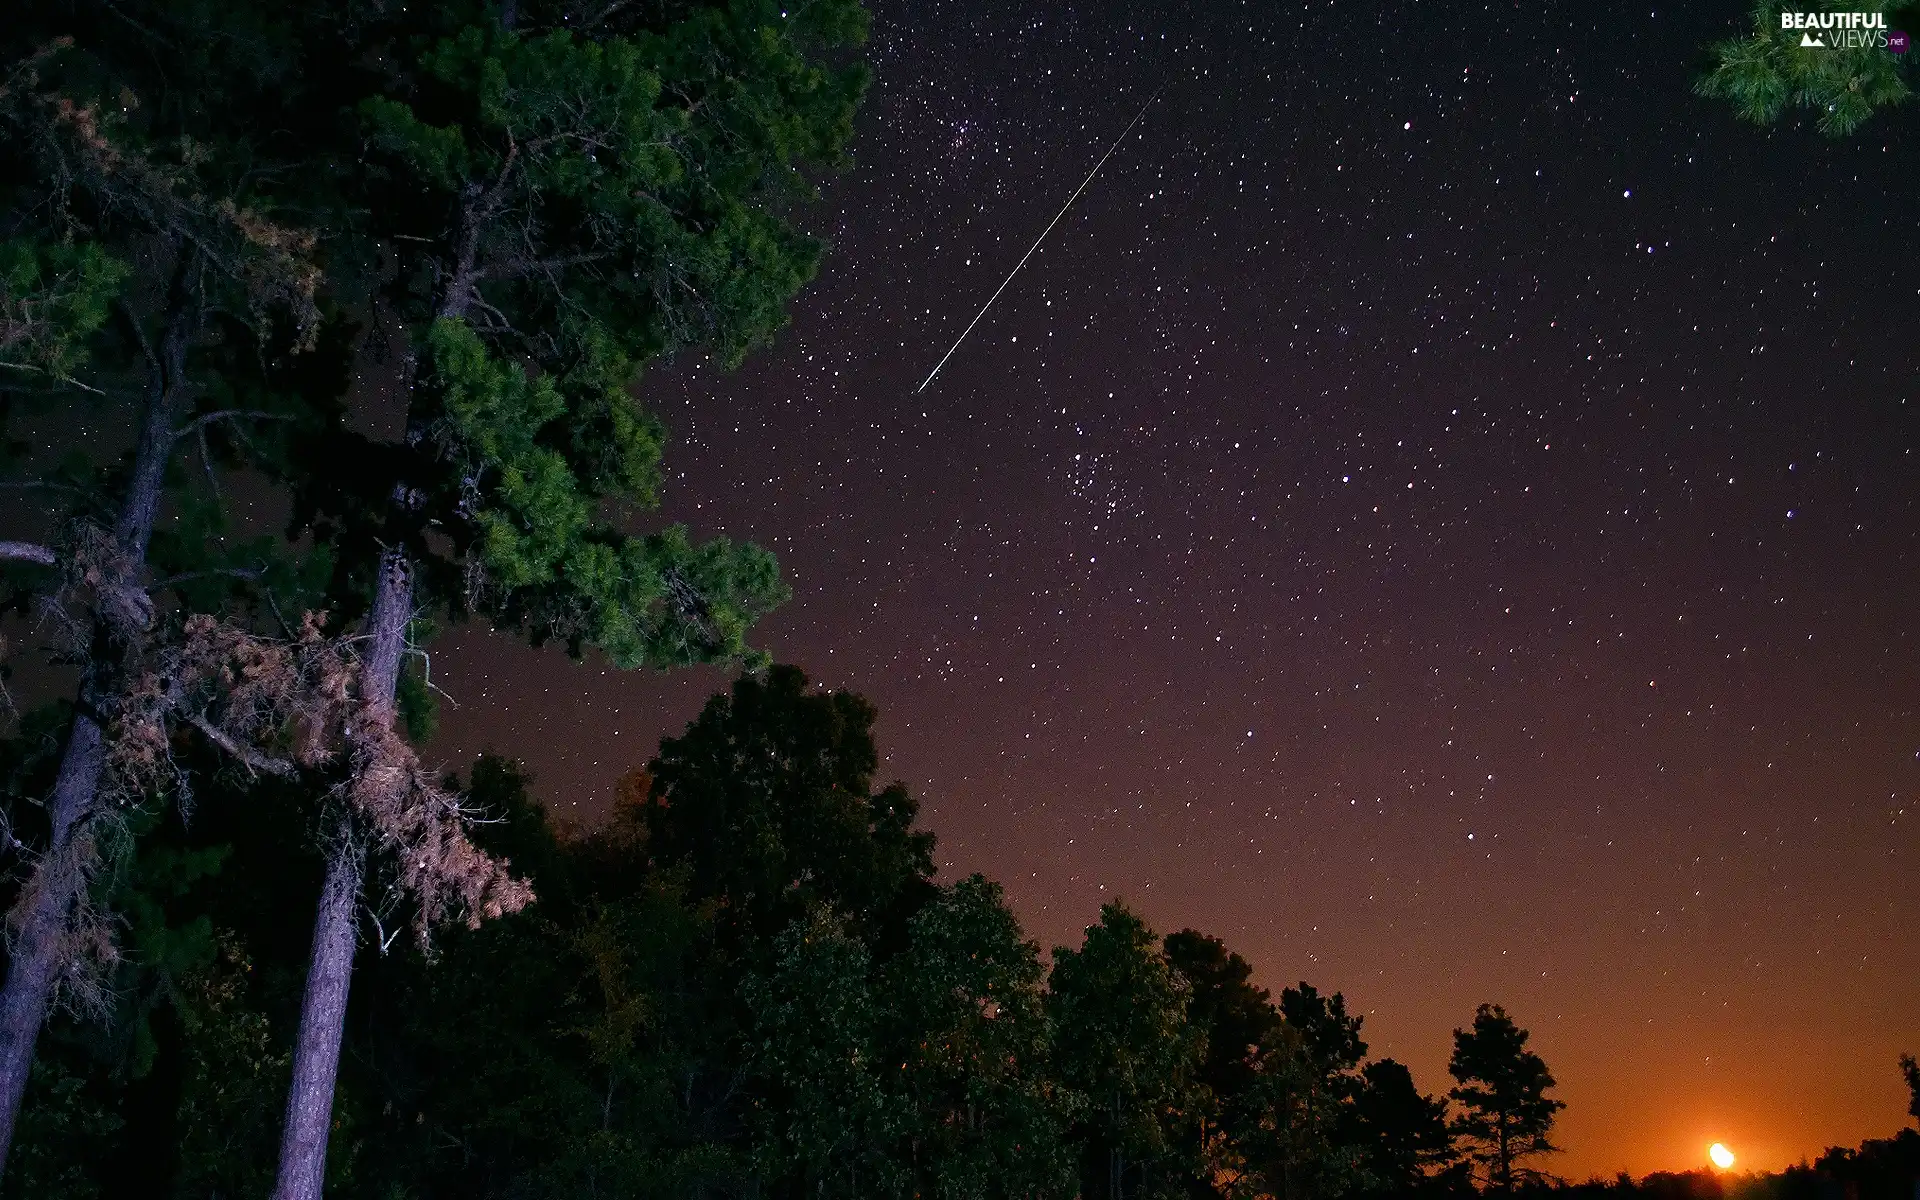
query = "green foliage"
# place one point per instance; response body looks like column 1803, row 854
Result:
column 53, row 298
column 645, row 148
column 158, row 954
column 234, row 1076
column 1506, row 1114
column 531, row 208
column 767, row 802
column 968, row 1013
column 747, row 983
column 119, row 184
column 825, row 1127
column 563, row 201
column 1124, row 1044
column 1767, row 72
column 1296, row 1151
column 554, row 564
column 64, row 1126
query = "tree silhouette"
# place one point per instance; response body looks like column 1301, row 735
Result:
column 1124, row 1044
column 767, row 802
column 1502, row 1088
column 1239, row 1023
column 1402, row 1134
column 157, row 274
column 831, row 1126
column 1911, row 1070
column 967, row 1029
column 1330, row 1037
column 547, row 197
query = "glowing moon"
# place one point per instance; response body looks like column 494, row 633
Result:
column 1721, row 1156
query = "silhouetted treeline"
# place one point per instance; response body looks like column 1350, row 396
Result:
column 746, row 983
column 1878, row 1169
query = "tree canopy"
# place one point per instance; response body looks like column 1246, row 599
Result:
column 1780, row 67
column 1505, row 1112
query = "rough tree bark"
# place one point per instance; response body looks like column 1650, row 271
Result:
column 43, row 920
column 323, row 1005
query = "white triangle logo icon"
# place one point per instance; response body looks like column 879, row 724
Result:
column 1807, row 39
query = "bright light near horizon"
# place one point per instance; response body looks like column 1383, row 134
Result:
column 1721, row 1156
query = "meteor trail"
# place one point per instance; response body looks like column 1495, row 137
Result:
column 1041, row 238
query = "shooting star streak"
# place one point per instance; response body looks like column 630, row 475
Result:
column 1038, row 240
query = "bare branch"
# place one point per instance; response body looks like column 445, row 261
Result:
column 27, row 552
column 520, row 268
column 252, row 759
column 140, row 335
column 49, row 485
column 206, row 459
column 197, row 426
column 66, row 379
column 249, row 573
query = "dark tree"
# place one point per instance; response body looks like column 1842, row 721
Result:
column 1236, row 1016
column 1403, row 1135
column 1911, row 1069
column 1239, row 1024
column 827, row 1128
column 1123, row 1043
column 1331, row 1038
column 548, row 195
column 1295, row 1150
column 1502, row 1090
column 967, row 1023
column 157, row 278
column 767, row 801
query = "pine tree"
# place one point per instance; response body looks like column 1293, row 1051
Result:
column 1911, row 1071
column 1773, row 69
column 1502, row 1090
column 152, row 280
column 1330, row 1038
column 1239, row 1023
column 553, row 194
column 1403, row 1135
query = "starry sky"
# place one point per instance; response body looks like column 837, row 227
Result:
column 1439, row 513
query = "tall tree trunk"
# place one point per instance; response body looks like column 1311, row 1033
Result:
column 55, row 892
column 40, row 940
column 323, row 1007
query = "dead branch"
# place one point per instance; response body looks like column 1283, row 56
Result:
column 254, row 761
column 198, row 425
column 27, row 552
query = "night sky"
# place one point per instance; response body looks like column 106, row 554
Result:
column 1439, row 513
